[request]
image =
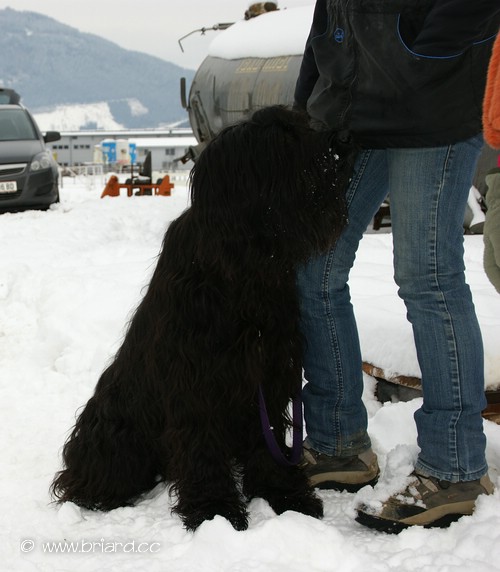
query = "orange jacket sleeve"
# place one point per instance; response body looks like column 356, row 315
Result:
column 491, row 107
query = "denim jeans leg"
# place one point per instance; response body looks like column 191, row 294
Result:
column 335, row 416
column 428, row 190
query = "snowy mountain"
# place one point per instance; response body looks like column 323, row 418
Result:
column 54, row 66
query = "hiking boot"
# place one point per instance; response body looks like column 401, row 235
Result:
column 427, row 502
column 340, row 473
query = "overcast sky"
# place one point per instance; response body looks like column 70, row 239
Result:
column 151, row 26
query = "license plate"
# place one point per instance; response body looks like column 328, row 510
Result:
column 8, row 187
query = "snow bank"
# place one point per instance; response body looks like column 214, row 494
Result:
column 274, row 34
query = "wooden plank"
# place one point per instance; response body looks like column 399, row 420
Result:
column 492, row 411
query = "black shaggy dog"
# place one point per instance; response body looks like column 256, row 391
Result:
column 219, row 324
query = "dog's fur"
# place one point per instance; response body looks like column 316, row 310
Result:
column 179, row 403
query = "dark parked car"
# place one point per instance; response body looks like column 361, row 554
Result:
column 29, row 177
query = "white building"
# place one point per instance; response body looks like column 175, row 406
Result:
column 85, row 147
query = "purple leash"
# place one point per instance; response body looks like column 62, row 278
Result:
column 272, row 444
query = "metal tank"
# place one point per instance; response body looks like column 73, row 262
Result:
column 239, row 77
column 226, row 91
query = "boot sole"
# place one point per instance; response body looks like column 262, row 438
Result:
column 395, row 527
column 339, row 486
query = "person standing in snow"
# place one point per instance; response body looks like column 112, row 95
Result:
column 406, row 79
column 491, row 126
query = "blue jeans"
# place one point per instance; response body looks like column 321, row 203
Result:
column 428, row 190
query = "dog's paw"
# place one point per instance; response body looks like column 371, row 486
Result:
column 238, row 519
column 236, row 514
column 304, row 502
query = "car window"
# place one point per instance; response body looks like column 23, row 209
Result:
column 15, row 125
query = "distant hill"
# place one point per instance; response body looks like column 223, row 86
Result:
column 52, row 65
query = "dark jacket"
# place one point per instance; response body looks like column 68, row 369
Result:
column 398, row 73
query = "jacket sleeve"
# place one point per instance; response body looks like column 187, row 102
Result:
column 492, row 229
column 491, row 102
column 308, row 74
column 452, row 26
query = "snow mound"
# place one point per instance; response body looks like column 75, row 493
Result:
column 274, row 34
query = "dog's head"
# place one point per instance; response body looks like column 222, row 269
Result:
column 274, row 182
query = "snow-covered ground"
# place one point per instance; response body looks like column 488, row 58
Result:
column 69, row 279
